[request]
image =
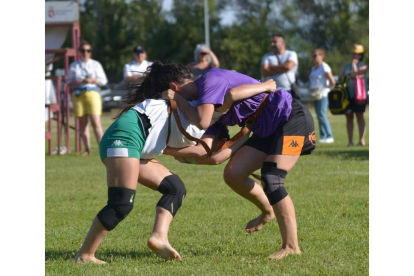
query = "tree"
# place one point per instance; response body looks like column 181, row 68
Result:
column 306, row 24
column 114, row 27
column 184, row 29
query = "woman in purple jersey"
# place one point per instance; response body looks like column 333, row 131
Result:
column 128, row 160
column 282, row 132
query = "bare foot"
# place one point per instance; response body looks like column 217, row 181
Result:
column 84, row 259
column 163, row 249
column 257, row 223
column 280, row 254
column 86, row 153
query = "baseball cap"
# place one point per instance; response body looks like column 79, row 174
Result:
column 358, row 49
column 139, row 49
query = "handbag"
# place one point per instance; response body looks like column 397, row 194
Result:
column 294, row 89
column 315, row 94
column 360, row 94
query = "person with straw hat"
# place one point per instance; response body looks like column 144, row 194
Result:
column 355, row 69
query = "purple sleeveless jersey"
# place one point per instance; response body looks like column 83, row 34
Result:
column 212, row 87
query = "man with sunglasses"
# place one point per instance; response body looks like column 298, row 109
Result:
column 84, row 79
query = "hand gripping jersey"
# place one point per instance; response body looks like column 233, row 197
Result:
column 156, row 142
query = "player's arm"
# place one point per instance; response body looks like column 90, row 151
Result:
column 245, row 91
column 199, row 116
column 199, row 155
column 197, row 152
column 222, row 155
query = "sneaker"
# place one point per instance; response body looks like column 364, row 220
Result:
column 62, row 150
column 329, row 140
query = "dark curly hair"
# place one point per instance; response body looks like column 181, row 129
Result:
column 156, row 79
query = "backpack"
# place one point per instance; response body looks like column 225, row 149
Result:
column 338, row 98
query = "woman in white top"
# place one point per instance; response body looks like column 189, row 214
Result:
column 127, row 150
column 84, row 79
column 321, row 79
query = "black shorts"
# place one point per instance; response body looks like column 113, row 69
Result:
column 353, row 107
column 295, row 137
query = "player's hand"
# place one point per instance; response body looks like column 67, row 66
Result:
column 168, row 94
column 270, row 85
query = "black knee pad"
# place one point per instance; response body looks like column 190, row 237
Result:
column 273, row 180
column 120, row 204
column 173, row 191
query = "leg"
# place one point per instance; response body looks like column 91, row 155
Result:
column 350, row 127
column 121, row 173
column 236, row 175
column 283, row 207
column 152, row 175
column 324, row 118
column 79, row 107
column 84, row 133
column 319, row 115
column 361, row 128
column 97, row 127
column 93, row 107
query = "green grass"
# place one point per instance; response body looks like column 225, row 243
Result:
column 329, row 189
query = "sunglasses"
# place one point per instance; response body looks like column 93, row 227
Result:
column 85, row 50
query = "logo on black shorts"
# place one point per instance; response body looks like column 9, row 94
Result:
column 312, row 137
column 294, row 144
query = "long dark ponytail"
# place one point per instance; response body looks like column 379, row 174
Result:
column 156, row 79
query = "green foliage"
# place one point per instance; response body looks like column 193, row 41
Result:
column 329, row 189
column 115, row 27
column 332, row 25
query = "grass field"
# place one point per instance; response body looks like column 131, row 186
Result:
column 329, row 189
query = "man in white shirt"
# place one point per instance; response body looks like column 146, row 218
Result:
column 136, row 68
column 280, row 65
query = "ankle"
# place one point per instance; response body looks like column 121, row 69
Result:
column 291, row 247
column 158, row 236
column 84, row 256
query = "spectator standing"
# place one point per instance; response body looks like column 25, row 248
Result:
column 280, row 64
column 321, row 80
column 84, row 79
column 204, row 59
column 136, row 68
column 351, row 70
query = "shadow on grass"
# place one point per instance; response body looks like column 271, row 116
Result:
column 347, row 154
column 52, row 255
